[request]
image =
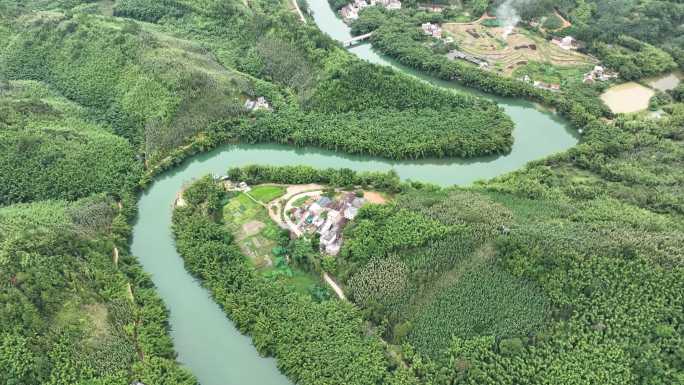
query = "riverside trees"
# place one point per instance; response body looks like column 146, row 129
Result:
column 568, row 270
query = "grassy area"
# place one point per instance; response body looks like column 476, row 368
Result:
column 549, row 73
column 266, row 194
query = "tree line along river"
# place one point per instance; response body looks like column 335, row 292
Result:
column 206, row 341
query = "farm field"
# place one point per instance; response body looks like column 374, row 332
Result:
column 520, row 48
column 265, row 194
column 260, row 239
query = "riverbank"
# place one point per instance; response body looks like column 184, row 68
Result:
column 202, row 334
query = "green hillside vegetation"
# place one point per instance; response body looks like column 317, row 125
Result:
column 69, row 315
column 568, row 270
column 49, row 149
column 164, row 85
column 153, row 90
column 284, row 323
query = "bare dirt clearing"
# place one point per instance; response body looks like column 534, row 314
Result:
column 374, row 197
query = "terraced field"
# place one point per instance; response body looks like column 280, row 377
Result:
column 516, row 50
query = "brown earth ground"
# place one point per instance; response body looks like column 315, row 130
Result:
column 374, row 197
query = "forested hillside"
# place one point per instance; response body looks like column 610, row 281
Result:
column 566, row 272
column 74, row 309
column 96, row 97
column 190, row 73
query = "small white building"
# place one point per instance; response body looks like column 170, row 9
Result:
column 433, row 30
column 360, row 4
column 547, row 86
column 315, row 208
column 567, row 43
column 259, row 104
column 351, row 212
column 349, row 12
column 393, row 4
column 599, row 74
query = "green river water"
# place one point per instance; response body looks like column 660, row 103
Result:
column 206, row 341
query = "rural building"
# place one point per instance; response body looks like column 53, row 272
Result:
column 259, row 104
column 324, row 201
column 388, row 4
column 599, row 74
column 567, row 43
column 351, row 212
column 351, row 11
column 547, row 86
column 455, row 54
column 433, row 30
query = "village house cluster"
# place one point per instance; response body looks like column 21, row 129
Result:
column 351, row 11
column 327, row 217
column 259, row 103
column 599, row 74
column 435, row 30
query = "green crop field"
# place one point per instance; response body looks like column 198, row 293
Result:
column 266, row 194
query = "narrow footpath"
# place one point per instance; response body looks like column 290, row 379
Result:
column 334, row 286
column 299, row 11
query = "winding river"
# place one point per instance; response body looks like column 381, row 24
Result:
column 206, row 341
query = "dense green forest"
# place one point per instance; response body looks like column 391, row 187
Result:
column 568, row 271
column 71, row 313
column 162, row 85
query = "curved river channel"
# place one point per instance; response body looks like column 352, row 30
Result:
column 206, row 341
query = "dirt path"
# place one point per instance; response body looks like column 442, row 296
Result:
column 299, row 11
column 115, row 256
column 277, row 213
column 566, row 23
column 331, row 282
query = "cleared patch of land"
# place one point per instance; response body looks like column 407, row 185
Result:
column 627, row 97
column 267, row 193
column 374, row 197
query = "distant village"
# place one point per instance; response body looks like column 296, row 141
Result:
column 597, row 74
column 327, row 217
column 351, row 11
